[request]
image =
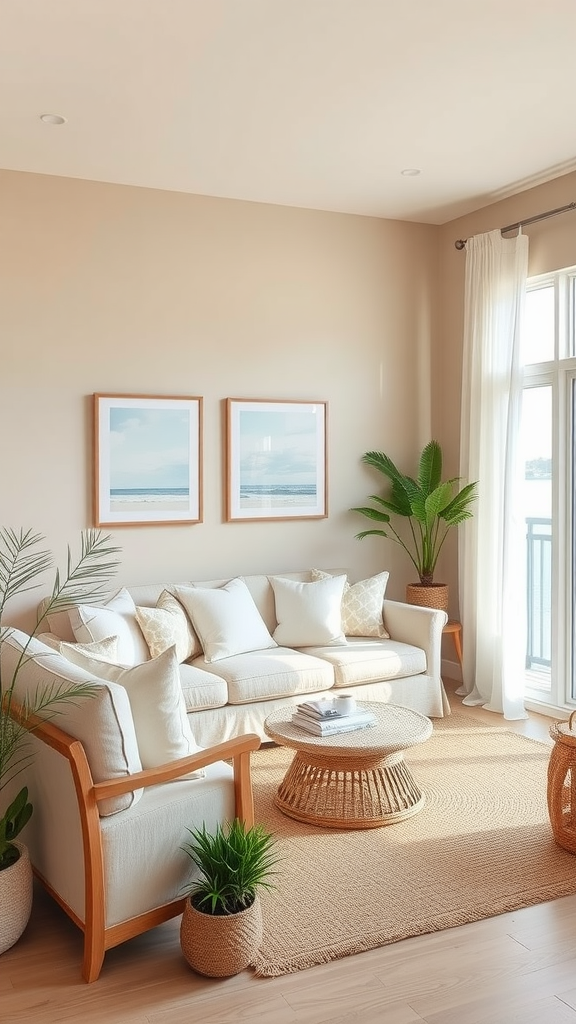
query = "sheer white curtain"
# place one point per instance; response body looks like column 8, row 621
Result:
column 492, row 543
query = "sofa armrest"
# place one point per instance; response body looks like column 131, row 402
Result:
column 421, row 627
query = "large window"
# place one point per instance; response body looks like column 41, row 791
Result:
column 548, row 436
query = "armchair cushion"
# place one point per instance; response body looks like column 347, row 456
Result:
column 103, row 723
column 162, row 728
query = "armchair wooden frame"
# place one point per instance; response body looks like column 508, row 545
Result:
column 97, row 937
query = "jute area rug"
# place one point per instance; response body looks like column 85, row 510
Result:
column 481, row 846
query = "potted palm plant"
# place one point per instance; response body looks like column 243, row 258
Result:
column 22, row 567
column 221, row 928
column 431, row 506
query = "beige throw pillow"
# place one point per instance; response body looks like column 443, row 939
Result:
column 167, row 625
column 226, row 619
column 116, row 618
column 308, row 614
column 162, row 728
column 106, row 649
column 362, row 605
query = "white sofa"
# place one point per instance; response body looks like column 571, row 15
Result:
column 119, row 776
column 230, row 696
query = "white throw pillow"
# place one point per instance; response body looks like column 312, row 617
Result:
column 167, row 625
column 308, row 614
column 362, row 605
column 116, row 618
column 106, row 649
column 226, row 619
column 162, row 728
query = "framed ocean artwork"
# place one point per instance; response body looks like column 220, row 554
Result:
column 147, row 460
column 276, row 459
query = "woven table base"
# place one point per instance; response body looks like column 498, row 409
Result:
column 355, row 793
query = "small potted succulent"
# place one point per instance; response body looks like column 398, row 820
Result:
column 221, row 928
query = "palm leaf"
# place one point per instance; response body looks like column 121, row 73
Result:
column 430, row 467
column 459, row 508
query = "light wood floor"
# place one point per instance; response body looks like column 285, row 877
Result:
column 518, row 968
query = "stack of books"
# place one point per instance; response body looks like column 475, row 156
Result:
column 322, row 718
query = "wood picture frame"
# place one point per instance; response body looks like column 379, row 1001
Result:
column 276, row 459
column 147, row 460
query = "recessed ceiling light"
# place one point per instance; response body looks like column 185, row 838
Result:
column 52, row 118
column 411, row 172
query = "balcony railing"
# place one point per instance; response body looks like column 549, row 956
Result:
column 539, row 593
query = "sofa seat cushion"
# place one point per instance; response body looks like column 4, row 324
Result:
column 365, row 660
column 279, row 672
column 144, row 865
column 202, row 689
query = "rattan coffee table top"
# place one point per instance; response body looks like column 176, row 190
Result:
column 396, row 729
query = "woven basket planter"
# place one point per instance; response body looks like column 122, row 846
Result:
column 15, row 899
column 434, row 596
column 561, row 792
column 219, row 946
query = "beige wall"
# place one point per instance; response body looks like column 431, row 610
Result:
column 552, row 246
column 107, row 288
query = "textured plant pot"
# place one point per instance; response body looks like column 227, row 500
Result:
column 15, row 899
column 434, row 596
column 220, row 946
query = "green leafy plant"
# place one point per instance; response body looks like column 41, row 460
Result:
column 234, row 863
column 430, row 505
column 22, row 567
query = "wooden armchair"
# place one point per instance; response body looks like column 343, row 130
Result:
column 80, row 857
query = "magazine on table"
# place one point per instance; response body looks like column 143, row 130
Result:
column 330, row 726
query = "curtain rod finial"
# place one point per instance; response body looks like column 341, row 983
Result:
column 460, row 243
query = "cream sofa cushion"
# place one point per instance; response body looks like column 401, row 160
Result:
column 226, row 619
column 202, row 689
column 103, row 723
column 362, row 605
column 168, row 625
column 262, row 675
column 368, row 661
column 162, row 728
column 116, row 618
column 308, row 614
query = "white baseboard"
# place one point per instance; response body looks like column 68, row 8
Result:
column 452, row 670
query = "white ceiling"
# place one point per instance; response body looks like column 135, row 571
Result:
column 312, row 103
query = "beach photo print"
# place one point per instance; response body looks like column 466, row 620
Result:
column 276, row 459
column 147, row 460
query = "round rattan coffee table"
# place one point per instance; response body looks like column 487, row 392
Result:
column 352, row 779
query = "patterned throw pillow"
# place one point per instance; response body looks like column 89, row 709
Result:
column 167, row 625
column 362, row 605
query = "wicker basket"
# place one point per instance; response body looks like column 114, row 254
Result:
column 434, row 596
column 15, row 898
column 562, row 784
column 221, row 946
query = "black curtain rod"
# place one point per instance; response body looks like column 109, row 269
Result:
column 461, row 242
